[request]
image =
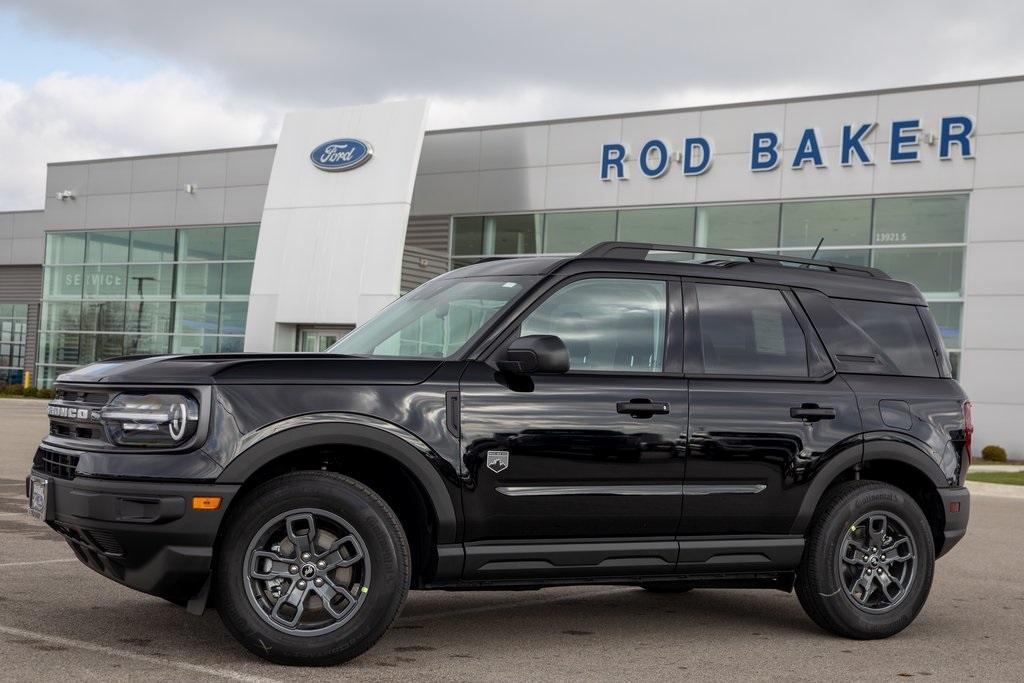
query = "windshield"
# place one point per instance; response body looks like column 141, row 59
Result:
column 432, row 321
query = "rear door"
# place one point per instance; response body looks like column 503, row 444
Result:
column 766, row 409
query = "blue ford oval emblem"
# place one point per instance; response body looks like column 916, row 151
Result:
column 343, row 154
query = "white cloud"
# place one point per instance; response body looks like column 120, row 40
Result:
column 64, row 117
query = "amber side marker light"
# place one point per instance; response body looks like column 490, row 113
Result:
column 206, row 502
column 954, row 507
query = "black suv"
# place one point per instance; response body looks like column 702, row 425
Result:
column 654, row 416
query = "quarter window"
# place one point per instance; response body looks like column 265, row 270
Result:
column 608, row 324
column 749, row 331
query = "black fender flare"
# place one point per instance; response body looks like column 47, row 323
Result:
column 896, row 448
column 269, row 443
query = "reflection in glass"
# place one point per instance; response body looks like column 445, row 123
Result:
column 150, row 281
column 608, row 324
column 105, row 282
column 573, row 232
column 201, row 244
column 937, row 271
column 240, row 242
column 920, row 220
column 152, row 245
column 741, row 226
column 658, row 226
column 107, row 246
column 65, row 247
column 947, row 316
column 838, row 222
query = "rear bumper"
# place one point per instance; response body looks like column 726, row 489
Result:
column 956, row 522
column 144, row 535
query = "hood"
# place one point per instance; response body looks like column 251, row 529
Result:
column 254, row 368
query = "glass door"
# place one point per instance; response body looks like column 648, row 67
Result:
column 319, row 339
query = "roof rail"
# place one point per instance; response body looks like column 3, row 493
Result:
column 638, row 251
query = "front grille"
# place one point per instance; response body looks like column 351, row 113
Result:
column 60, row 465
column 74, row 415
column 106, row 542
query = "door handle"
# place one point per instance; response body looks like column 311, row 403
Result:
column 642, row 407
column 812, row 412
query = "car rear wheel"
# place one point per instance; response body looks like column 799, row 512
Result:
column 868, row 563
column 313, row 569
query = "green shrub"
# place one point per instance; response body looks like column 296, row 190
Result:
column 994, row 453
column 31, row 392
column 45, row 393
column 15, row 390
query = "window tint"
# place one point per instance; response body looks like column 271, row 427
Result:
column 608, row 324
column 749, row 331
column 898, row 331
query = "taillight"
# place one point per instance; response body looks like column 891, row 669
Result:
column 968, row 429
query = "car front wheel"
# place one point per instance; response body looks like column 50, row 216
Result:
column 868, row 562
column 313, row 569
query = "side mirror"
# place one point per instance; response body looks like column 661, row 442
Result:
column 536, row 353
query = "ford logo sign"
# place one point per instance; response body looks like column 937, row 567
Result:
column 343, row 154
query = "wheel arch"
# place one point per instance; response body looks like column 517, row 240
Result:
column 288, row 444
column 898, row 462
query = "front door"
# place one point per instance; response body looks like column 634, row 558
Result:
column 766, row 410
column 596, row 453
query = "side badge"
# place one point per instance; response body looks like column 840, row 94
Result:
column 497, row 461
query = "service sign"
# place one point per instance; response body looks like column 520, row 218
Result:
column 342, row 154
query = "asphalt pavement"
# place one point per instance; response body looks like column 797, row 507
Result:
column 59, row 620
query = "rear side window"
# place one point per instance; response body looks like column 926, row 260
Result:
column 897, row 330
column 749, row 331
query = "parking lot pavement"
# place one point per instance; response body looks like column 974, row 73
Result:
column 60, row 620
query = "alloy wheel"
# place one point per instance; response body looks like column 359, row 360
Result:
column 877, row 561
column 307, row 572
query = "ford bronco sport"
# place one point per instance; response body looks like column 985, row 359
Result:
column 664, row 417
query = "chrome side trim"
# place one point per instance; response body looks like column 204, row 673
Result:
column 633, row 490
column 713, row 489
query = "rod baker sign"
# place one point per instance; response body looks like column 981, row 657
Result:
column 955, row 138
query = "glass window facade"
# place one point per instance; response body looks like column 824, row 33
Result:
column 151, row 291
column 13, row 332
column 920, row 239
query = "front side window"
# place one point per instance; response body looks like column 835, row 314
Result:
column 608, row 324
column 749, row 331
column 434, row 320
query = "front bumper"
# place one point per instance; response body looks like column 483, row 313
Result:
column 142, row 534
column 958, row 498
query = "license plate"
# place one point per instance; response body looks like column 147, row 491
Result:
column 37, row 495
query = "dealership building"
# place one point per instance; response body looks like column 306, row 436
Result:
column 287, row 247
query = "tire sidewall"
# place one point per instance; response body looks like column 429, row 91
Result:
column 367, row 515
column 832, row 597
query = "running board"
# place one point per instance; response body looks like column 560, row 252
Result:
column 584, row 558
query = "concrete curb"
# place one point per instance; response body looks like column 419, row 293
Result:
column 981, row 488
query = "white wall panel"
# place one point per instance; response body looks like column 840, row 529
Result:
column 731, row 128
column 515, row 189
column 330, row 245
column 579, row 186
column 580, row 142
column 516, row 147
column 1000, row 108
column 730, row 179
column 828, row 117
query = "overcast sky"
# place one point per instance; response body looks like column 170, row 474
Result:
column 106, row 77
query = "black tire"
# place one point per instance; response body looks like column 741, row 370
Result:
column 378, row 553
column 870, row 609
column 666, row 587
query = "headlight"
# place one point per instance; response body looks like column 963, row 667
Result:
column 150, row 419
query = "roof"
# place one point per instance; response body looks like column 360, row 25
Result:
column 832, row 279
